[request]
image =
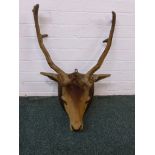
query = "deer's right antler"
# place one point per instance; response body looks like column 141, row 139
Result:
column 61, row 74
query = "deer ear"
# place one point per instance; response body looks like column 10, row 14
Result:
column 98, row 77
column 52, row 76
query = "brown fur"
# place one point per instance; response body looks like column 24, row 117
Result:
column 78, row 96
column 75, row 90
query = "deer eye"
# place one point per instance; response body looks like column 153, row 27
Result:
column 65, row 103
column 88, row 100
column 63, row 99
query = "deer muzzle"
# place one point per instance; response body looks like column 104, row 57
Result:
column 77, row 126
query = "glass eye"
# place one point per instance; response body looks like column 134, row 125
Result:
column 87, row 102
column 65, row 103
column 63, row 99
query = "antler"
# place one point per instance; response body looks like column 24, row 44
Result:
column 43, row 48
column 105, row 52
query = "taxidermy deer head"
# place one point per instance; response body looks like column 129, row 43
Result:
column 75, row 90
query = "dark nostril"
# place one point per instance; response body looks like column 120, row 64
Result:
column 76, row 130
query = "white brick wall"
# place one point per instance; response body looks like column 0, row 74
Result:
column 76, row 30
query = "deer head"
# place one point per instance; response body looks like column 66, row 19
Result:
column 75, row 90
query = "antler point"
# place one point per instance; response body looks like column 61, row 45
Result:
column 44, row 35
column 35, row 8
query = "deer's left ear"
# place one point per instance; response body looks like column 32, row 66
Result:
column 98, row 77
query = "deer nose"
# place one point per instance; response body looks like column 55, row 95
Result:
column 77, row 129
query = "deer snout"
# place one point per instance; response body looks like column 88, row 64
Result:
column 76, row 126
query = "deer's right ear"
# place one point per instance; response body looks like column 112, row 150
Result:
column 52, row 76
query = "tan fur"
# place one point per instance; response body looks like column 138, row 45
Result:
column 75, row 98
column 75, row 89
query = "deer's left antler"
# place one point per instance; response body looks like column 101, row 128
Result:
column 105, row 52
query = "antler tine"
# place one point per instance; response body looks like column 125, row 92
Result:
column 105, row 52
column 41, row 44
